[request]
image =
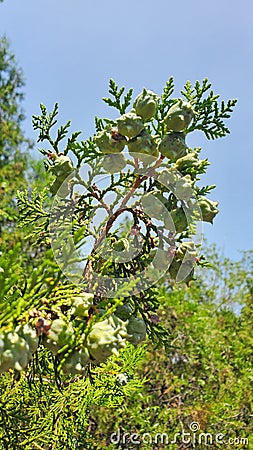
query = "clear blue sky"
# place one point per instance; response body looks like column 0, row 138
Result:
column 69, row 49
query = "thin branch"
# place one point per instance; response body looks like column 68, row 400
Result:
column 87, row 273
column 38, row 446
column 139, row 180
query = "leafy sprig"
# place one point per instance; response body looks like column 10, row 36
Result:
column 117, row 93
column 85, row 151
column 45, row 122
column 209, row 116
column 164, row 104
column 165, row 100
column 33, row 215
column 205, row 190
column 32, row 209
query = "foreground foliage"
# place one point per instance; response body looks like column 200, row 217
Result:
column 205, row 376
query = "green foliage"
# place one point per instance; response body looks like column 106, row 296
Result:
column 117, row 93
column 167, row 92
column 73, row 298
column 229, row 283
column 45, row 122
column 66, row 220
column 209, row 115
column 11, row 84
column 36, row 413
column 13, row 144
column 205, row 377
column 34, row 206
column 23, row 288
column 84, row 150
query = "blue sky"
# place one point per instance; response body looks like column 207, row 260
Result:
column 69, row 49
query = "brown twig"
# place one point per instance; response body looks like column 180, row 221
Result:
column 140, row 180
column 38, row 446
column 102, row 203
column 122, row 208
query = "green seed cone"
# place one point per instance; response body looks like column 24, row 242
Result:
column 208, row 209
column 62, row 166
column 177, row 222
column 130, row 125
column 145, row 104
column 110, row 141
column 136, row 330
column 81, row 304
column 106, row 338
column 167, row 178
column 190, row 160
column 183, row 188
column 114, row 163
column 124, row 312
column 145, row 145
column 179, row 116
column 173, row 146
column 60, row 334
column 187, row 251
